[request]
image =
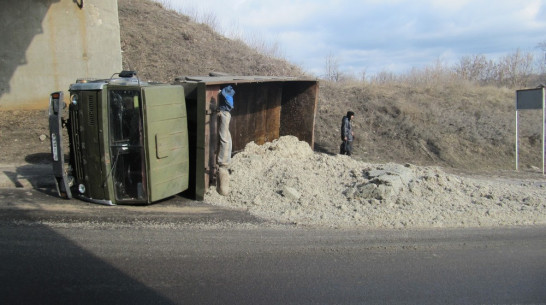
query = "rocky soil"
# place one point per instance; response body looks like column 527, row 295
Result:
column 285, row 181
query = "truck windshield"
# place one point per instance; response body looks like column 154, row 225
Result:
column 126, row 127
column 126, row 145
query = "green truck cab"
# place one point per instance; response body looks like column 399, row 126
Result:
column 128, row 141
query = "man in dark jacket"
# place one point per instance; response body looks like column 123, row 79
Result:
column 347, row 134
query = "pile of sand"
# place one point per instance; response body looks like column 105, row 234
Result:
column 285, row 181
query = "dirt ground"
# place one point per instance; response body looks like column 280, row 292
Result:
column 24, row 137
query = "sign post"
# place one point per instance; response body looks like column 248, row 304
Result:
column 529, row 99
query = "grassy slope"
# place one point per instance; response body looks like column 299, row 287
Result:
column 459, row 126
column 162, row 44
column 455, row 125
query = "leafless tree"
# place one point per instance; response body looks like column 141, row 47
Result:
column 541, row 63
column 332, row 68
column 473, row 68
column 514, row 70
column 384, row 77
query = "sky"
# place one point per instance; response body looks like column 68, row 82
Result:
column 372, row 36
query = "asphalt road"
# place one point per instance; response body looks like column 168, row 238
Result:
column 182, row 252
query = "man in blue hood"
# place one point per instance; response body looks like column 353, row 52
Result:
column 224, row 117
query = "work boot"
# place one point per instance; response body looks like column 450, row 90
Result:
column 223, row 181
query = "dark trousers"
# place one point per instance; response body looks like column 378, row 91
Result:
column 346, row 148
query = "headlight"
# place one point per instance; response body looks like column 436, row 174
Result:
column 74, row 99
column 81, row 188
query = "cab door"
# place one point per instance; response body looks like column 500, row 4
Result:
column 126, row 143
column 166, row 131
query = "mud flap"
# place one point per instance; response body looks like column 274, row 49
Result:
column 56, row 106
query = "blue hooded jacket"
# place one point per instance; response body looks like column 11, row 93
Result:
column 228, row 94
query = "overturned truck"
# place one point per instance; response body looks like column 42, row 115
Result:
column 136, row 142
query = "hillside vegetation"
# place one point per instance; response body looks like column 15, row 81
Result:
column 161, row 44
column 452, row 124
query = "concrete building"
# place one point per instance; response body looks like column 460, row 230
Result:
column 48, row 44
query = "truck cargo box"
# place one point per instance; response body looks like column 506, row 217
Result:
column 265, row 108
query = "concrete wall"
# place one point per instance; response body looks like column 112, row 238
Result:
column 48, row 44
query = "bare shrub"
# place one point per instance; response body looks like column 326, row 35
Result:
column 474, row 68
column 383, row 77
column 262, row 46
column 514, row 70
column 331, row 66
column 541, row 62
column 438, row 74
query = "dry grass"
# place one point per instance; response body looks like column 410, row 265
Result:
column 460, row 126
column 162, row 44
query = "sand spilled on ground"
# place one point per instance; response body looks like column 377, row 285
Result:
column 285, row 181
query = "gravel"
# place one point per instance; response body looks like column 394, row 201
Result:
column 284, row 181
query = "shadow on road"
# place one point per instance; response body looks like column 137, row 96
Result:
column 39, row 266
